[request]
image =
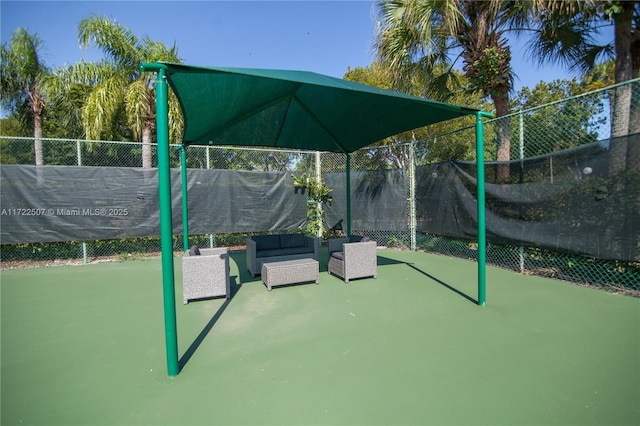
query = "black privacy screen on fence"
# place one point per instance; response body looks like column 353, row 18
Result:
column 378, row 200
column 585, row 200
column 582, row 200
column 77, row 203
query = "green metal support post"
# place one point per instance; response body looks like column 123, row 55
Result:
column 185, row 200
column 166, row 226
column 348, row 195
column 482, row 233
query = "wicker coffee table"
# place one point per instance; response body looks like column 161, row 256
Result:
column 290, row 272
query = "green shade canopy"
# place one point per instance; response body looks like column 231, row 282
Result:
column 293, row 109
column 282, row 109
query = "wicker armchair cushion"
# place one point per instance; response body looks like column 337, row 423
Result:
column 338, row 255
column 354, row 239
column 358, row 239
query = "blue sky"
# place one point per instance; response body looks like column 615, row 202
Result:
column 320, row 36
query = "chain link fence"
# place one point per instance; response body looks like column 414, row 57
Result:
column 535, row 133
column 63, row 152
column 530, row 134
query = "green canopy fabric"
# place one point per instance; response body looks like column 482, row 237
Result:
column 293, row 109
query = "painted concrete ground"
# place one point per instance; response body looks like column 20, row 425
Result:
column 85, row 345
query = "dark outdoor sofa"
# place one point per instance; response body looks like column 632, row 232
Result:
column 274, row 248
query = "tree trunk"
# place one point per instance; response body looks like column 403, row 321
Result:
column 623, row 70
column 621, row 111
column 501, row 103
column 622, row 100
column 146, row 148
column 619, row 129
column 37, row 139
column 618, row 179
column 634, row 117
column 633, row 143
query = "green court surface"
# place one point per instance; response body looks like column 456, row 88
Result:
column 84, row 345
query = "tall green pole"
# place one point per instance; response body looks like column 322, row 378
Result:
column 185, row 203
column 166, row 226
column 348, row 195
column 482, row 233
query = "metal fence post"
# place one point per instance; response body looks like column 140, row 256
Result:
column 521, row 123
column 348, row 170
column 412, row 194
column 208, row 167
column 319, row 203
column 79, row 161
column 185, row 200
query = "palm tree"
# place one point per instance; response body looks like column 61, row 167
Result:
column 418, row 35
column 415, row 34
column 22, row 72
column 376, row 74
column 626, row 18
column 68, row 89
column 566, row 34
column 124, row 88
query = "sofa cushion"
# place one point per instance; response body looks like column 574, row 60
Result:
column 269, row 252
column 283, row 252
column 292, row 240
column 297, row 250
column 266, row 242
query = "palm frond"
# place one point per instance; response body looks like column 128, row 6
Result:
column 139, row 106
column 569, row 41
column 102, row 106
column 21, row 69
column 176, row 119
column 157, row 51
column 410, row 30
column 114, row 39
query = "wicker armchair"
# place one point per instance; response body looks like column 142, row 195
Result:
column 352, row 258
column 205, row 273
